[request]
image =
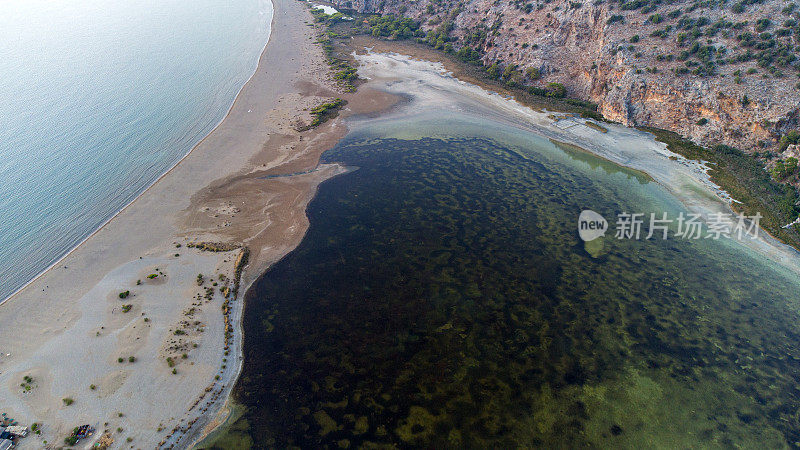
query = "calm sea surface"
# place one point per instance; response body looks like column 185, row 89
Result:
column 99, row 98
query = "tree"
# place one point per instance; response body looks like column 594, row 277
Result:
column 493, row 71
column 785, row 168
column 556, row 90
column 790, row 138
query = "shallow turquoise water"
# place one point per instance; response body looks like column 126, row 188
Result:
column 443, row 299
column 98, row 99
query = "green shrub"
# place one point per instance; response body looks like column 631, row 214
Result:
column 347, row 74
column 556, row 90
column 533, row 73
column 784, row 169
column 325, row 111
column 393, row 27
column 493, row 71
column 790, row 138
column 469, row 54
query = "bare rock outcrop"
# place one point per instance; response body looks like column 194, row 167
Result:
column 715, row 74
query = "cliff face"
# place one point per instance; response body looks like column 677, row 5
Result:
column 715, row 74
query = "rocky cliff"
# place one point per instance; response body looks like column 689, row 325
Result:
column 713, row 71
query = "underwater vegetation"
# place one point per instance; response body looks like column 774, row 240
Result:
column 443, row 299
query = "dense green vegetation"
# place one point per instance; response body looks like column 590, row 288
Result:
column 393, row 27
column 324, row 111
column 790, row 138
column 344, row 72
column 745, row 178
column 785, row 168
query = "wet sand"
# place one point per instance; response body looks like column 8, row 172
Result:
column 155, row 366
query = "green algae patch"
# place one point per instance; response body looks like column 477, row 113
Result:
column 325, row 422
column 594, row 247
column 594, row 161
column 418, row 428
column 234, row 434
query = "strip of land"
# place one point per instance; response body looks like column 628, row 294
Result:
column 136, row 331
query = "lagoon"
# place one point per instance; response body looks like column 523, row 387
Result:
column 442, row 298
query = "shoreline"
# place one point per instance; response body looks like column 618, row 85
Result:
column 66, row 328
column 258, row 210
column 386, row 112
column 398, row 75
column 135, row 197
column 628, row 147
column 721, row 179
column 225, row 411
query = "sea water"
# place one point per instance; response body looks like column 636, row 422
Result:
column 98, row 99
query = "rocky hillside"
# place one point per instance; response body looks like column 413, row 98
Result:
column 714, row 71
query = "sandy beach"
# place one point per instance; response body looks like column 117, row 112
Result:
column 124, row 334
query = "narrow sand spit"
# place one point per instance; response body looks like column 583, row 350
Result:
column 123, row 328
